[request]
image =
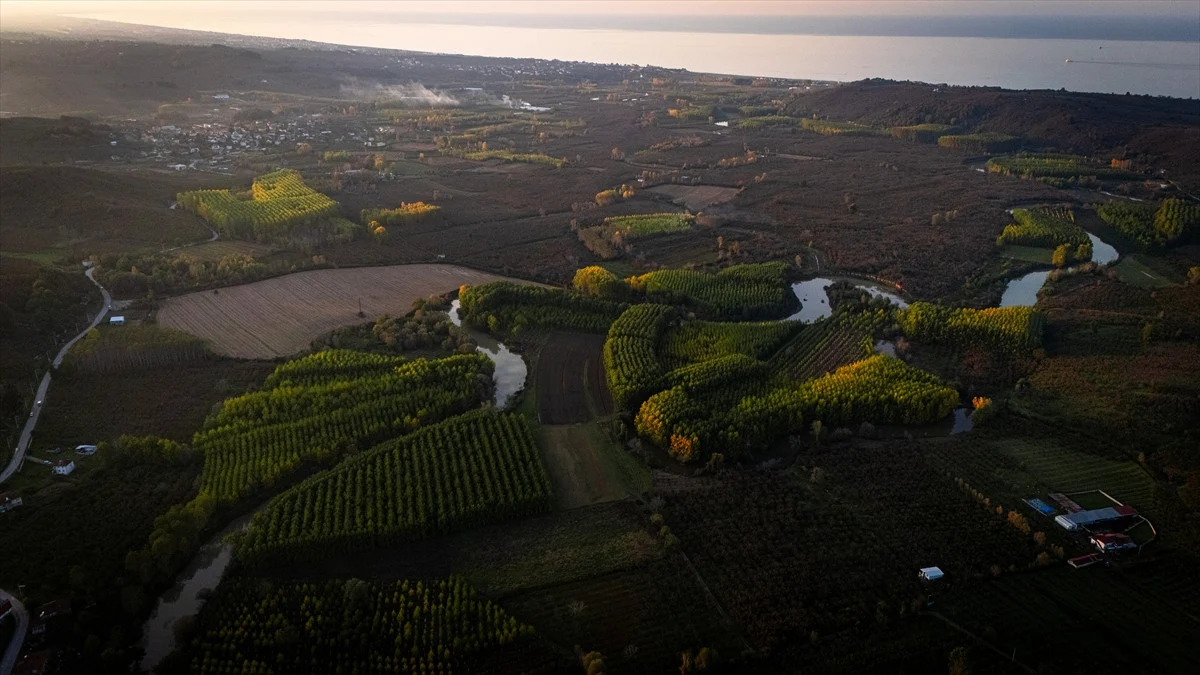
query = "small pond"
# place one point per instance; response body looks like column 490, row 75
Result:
column 510, row 368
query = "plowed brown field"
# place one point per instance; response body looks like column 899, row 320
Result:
column 281, row 316
column 570, row 379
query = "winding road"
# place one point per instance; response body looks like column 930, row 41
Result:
column 18, row 638
column 40, row 399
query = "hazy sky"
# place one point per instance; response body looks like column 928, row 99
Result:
column 131, row 10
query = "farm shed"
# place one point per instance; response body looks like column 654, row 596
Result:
column 1084, row 560
column 117, row 321
column 64, row 467
column 930, row 574
column 1074, row 521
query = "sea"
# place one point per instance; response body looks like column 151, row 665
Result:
column 1038, row 53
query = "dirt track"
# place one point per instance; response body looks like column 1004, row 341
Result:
column 570, row 379
column 281, row 316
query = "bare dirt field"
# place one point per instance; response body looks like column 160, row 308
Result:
column 570, row 379
column 281, row 316
column 696, row 197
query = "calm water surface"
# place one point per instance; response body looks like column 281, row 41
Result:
column 510, row 368
column 1023, row 291
column 1157, row 68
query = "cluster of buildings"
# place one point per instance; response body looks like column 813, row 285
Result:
column 1105, row 527
column 215, row 141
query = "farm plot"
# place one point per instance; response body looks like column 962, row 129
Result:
column 1067, row 470
column 820, row 349
column 640, row 620
column 281, row 316
column 571, row 386
column 696, row 197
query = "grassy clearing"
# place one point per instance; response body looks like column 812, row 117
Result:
column 214, row 251
column 43, row 258
column 1028, row 254
column 586, row 467
column 1133, row 271
column 575, row 545
column 1092, row 499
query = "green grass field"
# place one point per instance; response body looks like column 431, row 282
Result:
column 1031, row 254
column 1135, row 272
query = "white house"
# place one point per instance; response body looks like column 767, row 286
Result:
column 931, row 574
column 116, row 320
column 85, row 449
column 64, row 467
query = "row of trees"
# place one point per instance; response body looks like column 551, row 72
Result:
column 631, row 353
column 1172, row 222
column 330, row 365
column 504, row 306
column 697, row 341
column 722, row 413
column 405, row 214
column 615, row 235
column 597, row 282
column 922, row 133
column 260, row 438
column 827, row 345
column 137, row 275
column 277, row 204
column 740, row 291
column 466, row 471
column 1014, row 331
column 985, row 143
column 134, row 347
column 349, row 626
column 1047, row 228
column 1035, row 165
column 293, row 403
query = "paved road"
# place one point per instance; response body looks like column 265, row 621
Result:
column 39, row 401
column 18, row 639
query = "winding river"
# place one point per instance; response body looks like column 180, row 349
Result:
column 192, row 586
column 510, row 368
column 814, row 299
column 1023, row 291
